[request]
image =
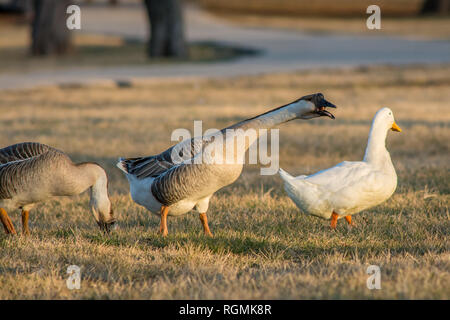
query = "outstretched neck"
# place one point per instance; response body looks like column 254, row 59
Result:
column 376, row 152
column 276, row 116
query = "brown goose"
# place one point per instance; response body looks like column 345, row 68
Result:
column 32, row 172
column 167, row 186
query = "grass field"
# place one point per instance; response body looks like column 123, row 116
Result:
column 344, row 8
column 399, row 18
column 422, row 28
column 263, row 246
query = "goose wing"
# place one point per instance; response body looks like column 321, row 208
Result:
column 353, row 185
column 340, row 176
column 153, row 166
column 181, row 182
column 22, row 151
column 182, row 152
column 19, row 165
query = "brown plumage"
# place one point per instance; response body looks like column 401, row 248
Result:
column 32, row 172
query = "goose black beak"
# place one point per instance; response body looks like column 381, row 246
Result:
column 321, row 105
column 325, row 113
column 106, row 227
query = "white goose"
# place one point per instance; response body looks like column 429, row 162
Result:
column 168, row 187
column 349, row 187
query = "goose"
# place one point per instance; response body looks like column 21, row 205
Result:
column 349, row 187
column 32, row 172
column 166, row 186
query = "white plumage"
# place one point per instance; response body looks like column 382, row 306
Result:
column 349, row 187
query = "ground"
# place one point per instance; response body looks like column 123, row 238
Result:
column 325, row 16
column 96, row 50
column 417, row 28
column 263, row 246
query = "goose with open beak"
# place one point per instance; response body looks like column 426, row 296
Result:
column 167, row 187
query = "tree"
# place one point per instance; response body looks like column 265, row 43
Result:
column 50, row 34
column 166, row 29
column 436, row 6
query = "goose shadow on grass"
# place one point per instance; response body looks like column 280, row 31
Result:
column 247, row 245
column 277, row 250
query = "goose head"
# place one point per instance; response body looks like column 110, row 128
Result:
column 376, row 152
column 314, row 105
column 104, row 214
column 106, row 225
column 384, row 119
column 100, row 204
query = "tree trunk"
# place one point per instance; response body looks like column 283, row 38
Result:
column 166, row 29
column 441, row 7
column 50, row 34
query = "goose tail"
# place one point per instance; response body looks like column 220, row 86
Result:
column 122, row 165
column 308, row 197
column 290, row 185
column 284, row 175
column 289, row 182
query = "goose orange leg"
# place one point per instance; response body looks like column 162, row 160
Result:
column 349, row 220
column 163, row 226
column 334, row 218
column 25, row 229
column 7, row 223
column 204, row 221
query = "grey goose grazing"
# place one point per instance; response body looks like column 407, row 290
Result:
column 32, row 172
column 167, row 186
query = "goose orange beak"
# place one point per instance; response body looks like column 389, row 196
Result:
column 395, row 127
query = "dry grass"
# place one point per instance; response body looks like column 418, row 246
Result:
column 416, row 28
column 263, row 246
column 316, row 7
column 399, row 18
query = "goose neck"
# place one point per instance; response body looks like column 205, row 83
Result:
column 376, row 152
column 277, row 116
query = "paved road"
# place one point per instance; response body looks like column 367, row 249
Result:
column 281, row 50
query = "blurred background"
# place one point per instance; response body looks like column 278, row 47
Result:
column 269, row 35
column 137, row 70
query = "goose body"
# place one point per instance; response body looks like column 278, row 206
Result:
column 349, row 187
column 166, row 185
column 32, row 172
column 182, row 200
